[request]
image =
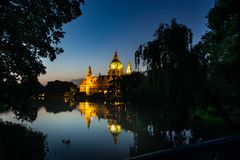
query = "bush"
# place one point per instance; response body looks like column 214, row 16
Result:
column 18, row 142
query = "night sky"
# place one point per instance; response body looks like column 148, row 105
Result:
column 107, row 26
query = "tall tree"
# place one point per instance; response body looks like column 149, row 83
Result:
column 31, row 30
column 169, row 48
column 221, row 46
column 169, row 63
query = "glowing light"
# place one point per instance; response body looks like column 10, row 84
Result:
column 41, row 96
column 117, row 103
column 115, row 129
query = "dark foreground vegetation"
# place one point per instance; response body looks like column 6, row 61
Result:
column 19, row 142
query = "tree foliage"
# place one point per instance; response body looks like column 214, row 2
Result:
column 172, row 68
column 31, row 30
column 221, row 46
column 168, row 49
column 59, row 87
column 207, row 74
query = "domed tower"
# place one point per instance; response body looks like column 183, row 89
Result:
column 129, row 69
column 115, row 67
column 89, row 79
column 84, row 85
column 89, row 73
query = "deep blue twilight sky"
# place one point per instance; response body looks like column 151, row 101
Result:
column 122, row 25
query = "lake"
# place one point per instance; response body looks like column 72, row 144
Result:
column 107, row 130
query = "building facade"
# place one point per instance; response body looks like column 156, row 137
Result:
column 93, row 84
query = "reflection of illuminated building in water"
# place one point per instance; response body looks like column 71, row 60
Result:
column 115, row 129
column 148, row 129
column 100, row 84
column 112, row 114
column 89, row 111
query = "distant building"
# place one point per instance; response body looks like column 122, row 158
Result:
column 93, row 84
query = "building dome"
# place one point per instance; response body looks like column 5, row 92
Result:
column 115, row 67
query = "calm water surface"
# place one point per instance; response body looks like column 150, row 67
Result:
column 88, row 130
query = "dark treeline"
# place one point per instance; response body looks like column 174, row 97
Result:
column 59, row 88
column 188, row 77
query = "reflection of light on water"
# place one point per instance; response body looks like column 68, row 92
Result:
column 119, row 127
column 89, row 110
column 41, row 96
column 150, row 130
column 173, row 136
column 115, row 130
column 117, row 103
column 187, row 134
column 69, row 101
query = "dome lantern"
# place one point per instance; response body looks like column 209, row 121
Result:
column 115, row 58
column 115, row 67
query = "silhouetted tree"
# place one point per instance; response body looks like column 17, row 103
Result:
column 30, row 30
column 168, row 49
column 224, row 49
column 221, row 46
column 59, row 88
column 129, row 85
column 24, row 112
column 172, row 67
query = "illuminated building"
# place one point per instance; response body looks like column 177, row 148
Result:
column 93, row 84
column 89, row 85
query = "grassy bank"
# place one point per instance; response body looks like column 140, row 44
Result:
column 211, row 125
column 18, row 142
